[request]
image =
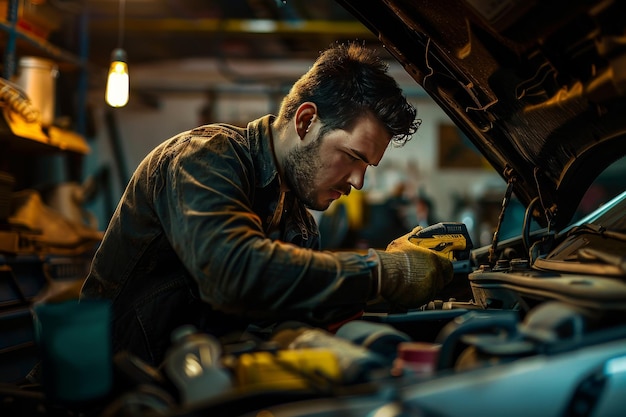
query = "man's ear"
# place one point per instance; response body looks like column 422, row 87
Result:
column 305, row 117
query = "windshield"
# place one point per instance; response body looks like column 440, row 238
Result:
column 604, row 193
column 611, row 216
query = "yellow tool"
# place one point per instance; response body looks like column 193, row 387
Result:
column 451, row 239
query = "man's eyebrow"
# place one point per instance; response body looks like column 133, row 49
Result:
column 362, row 157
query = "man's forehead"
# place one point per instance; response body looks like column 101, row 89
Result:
column 369, row 144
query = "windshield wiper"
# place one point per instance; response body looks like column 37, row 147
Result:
column 595, row 229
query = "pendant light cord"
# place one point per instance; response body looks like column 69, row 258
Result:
column 120, row 29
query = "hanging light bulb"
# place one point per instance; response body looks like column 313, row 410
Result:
column 118, row 81
column 118, row 84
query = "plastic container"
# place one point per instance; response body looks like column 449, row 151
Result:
column 287, row 370
column 75, row 344
column 37, row 77
column 417, row 359
column 355, row 362
column 193, row 365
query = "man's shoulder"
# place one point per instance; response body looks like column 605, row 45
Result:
column 220, row 130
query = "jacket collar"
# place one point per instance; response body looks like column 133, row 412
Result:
column 260, row 139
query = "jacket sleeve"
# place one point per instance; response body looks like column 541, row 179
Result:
column 205, row 207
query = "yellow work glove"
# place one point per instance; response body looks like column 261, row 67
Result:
column 409, row 275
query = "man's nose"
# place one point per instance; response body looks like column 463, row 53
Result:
column 357, row 177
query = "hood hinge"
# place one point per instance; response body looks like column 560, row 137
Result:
column 546, row 197
column 511, row 178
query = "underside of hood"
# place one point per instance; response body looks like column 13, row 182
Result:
column 539, row 87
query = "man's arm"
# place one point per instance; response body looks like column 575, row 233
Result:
column 206, row 212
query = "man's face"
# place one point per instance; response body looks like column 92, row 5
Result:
column 323, row 168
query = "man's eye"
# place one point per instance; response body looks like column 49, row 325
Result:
column 352, row 157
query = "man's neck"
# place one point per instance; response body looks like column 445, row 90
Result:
column 276, row 140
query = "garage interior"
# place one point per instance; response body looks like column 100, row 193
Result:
column 66, row 160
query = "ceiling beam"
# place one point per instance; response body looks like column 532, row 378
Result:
column 251, row 26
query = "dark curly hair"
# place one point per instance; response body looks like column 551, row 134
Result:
column 346, row 82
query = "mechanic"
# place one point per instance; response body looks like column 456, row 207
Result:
column 213, row 227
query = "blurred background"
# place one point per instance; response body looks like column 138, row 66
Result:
column 201, row 61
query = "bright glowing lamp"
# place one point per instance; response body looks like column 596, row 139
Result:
column 118, row 82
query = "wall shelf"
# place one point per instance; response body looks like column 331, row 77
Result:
column 29, row 44
column 19, row 42
column 31, row 138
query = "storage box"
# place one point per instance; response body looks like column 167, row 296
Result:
column 39, row 19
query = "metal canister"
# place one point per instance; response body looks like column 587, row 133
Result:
column 37, row 78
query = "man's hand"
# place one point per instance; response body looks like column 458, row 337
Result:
column 409, row 275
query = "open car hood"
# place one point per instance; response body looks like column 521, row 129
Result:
column 538, row 87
